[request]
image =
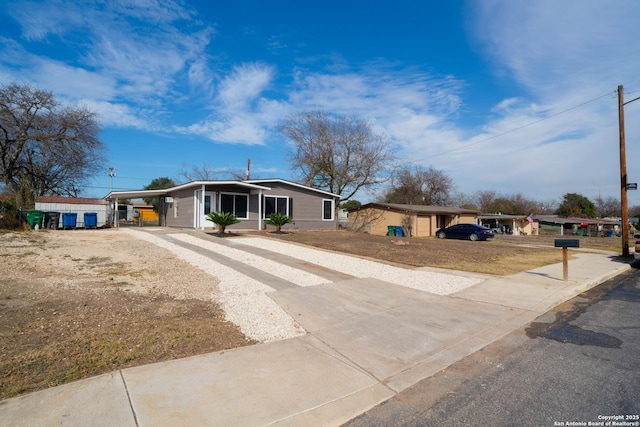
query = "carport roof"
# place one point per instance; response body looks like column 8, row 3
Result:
column 137, row 194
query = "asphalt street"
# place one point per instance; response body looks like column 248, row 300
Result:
column 576, row 365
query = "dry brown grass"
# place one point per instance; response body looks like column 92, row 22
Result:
column 503, row 255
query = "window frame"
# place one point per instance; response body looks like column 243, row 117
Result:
column 235, row 196
column 332, row 209
column 276, row 197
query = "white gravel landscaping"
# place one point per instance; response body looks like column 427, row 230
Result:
column 242, row 298
column 294, row 275
column 437, row 283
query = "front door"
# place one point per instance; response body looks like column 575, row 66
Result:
column 203, row 208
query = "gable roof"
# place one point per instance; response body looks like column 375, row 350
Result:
column 418, row 209
column 293, row 184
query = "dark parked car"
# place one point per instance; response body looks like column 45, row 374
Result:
column 465, row 231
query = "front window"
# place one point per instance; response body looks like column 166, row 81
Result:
column 327, row 210
column 237, row 204
column 277, row 204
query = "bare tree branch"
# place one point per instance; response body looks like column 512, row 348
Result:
column 45, row 148
column 339, row 154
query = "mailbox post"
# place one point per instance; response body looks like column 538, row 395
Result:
column 564, row 244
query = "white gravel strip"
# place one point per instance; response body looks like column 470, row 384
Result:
column 242, row 298
column 294, row 275
column 437, row 283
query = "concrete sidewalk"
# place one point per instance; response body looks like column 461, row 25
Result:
column 367, row 341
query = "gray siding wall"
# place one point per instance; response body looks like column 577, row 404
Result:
column 184, row 200
column 307, row 207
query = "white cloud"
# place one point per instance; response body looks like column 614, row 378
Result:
column 117, row 115
column 130, row 52
column 554, row 47
column 244, row 85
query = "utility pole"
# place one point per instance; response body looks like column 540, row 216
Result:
column 624, row 185
column 248, row 174
column 112, row 173
column 623, row 175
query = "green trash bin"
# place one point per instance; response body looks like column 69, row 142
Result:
column 34, row 219
column 391, row 230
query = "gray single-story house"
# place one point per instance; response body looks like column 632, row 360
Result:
column 187, row 205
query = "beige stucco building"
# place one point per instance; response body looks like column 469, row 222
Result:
column 415, row 220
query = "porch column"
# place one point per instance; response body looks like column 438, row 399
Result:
column 259, row 210
column 201, row 213
column 116, row 217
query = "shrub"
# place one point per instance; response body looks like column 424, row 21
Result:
column 278, row 220
column 222, row 220
column 9, row 216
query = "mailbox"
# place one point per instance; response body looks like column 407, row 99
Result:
column 567, row 243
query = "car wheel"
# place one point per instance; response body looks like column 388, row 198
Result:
column 441, row 235
column 473, row 237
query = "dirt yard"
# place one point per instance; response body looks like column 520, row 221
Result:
column 75, row 304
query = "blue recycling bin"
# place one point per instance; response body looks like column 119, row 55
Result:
column 69, row 220
column 398, row 231
column 90, row 219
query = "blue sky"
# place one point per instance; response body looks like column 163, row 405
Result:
column 507, row 95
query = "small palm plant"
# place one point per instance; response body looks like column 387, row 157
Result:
column 222, row 220
column 279, row 220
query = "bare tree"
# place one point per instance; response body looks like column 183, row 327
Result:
column 463, row 200
column 486, row 200
column 339, row 154
column 208, row 173
column 419, row 186
column 45, row 148
column 362, row 220
column 607, row 207
column 513, row 204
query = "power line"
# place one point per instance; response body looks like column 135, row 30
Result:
column 516, row 129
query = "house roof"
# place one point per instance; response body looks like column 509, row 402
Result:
column 255, row 184
column 417, row 209
column 70, row 200
column 294, row 184
column 501, row 216
column 591, row 221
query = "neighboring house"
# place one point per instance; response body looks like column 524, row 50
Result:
column 416, row 220
column 510, row 224
column 579, row 226
column 252, row 201
column 78, row 205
